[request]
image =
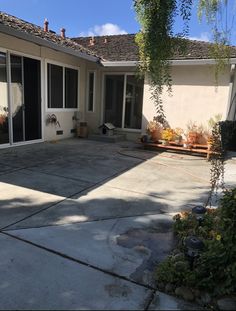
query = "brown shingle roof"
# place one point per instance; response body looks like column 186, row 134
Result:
column 36, row 31
column 124, row 48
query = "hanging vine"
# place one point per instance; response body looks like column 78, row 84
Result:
column 157, row 43
column 218, row 17
column 217, row 162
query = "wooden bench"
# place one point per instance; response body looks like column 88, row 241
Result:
column 193, row 149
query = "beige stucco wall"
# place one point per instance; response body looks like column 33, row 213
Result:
column 195, row 96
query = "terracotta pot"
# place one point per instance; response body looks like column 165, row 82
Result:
column 155, row 135
column 193, row 138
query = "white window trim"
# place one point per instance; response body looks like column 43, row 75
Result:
column 125, row 74
column 94, row 91
column 64, row 66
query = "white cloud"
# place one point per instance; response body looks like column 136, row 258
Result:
column 204, row 36
column 104, row 30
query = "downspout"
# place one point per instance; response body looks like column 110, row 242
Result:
column 232, row 94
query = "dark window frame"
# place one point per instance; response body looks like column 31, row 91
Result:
column 65, row 69
column 91, row 91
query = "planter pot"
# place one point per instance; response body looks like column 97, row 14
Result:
column 193, row 138
column 155, row 135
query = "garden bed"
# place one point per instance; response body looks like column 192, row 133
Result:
column 197, row 149
column 210, row 277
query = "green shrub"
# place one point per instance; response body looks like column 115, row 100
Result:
column 215, row 269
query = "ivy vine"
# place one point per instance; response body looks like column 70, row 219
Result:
column 157, row 43
column 217, row 162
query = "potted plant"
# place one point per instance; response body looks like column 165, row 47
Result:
column 168, row 134
column 194, row 132
column 178, row 135
column 154, row 129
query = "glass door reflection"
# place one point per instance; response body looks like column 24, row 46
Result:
column 17, row 104
column 4, row 124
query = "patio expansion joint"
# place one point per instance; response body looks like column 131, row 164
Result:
column 13, row 170
column 133, row 191
column 112, row 274
column 150, row 300
column 86, row 222
column 30, row 168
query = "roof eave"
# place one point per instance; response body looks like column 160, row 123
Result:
column 43, row 42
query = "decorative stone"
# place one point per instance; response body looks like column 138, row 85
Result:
column 227, row 303
column 169, row 288
column 185, row 293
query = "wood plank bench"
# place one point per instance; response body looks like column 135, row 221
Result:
column 194, row 149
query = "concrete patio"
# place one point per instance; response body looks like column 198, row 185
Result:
column 83, row 224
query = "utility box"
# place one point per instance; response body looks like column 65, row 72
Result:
column 107, row 129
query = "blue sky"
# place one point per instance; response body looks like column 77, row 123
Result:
column 92, row 17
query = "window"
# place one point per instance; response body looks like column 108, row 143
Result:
column 124, row 101
column 91, row 91
column 62, row 87
column 55, row 86
column 71, row 88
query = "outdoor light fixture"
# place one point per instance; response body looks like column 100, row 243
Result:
column 193, row 247
column 199, row 212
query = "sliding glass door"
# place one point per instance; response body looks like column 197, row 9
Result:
column 124, row 101
column 20, row 99
column 17, row 99
column 32, row 99
column 4, row 122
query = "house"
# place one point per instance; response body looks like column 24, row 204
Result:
column 49, row 83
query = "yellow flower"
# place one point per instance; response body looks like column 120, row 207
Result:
column 218, row 237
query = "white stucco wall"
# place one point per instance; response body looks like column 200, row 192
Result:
column 195, row 97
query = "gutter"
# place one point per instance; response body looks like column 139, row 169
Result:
column 178, row 62
column 43, row 42
column 120, row 64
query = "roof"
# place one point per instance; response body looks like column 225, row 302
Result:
column 25, row 28
column 116, row 48
column 124, row 48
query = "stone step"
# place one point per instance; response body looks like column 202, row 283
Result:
column 108, row 139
